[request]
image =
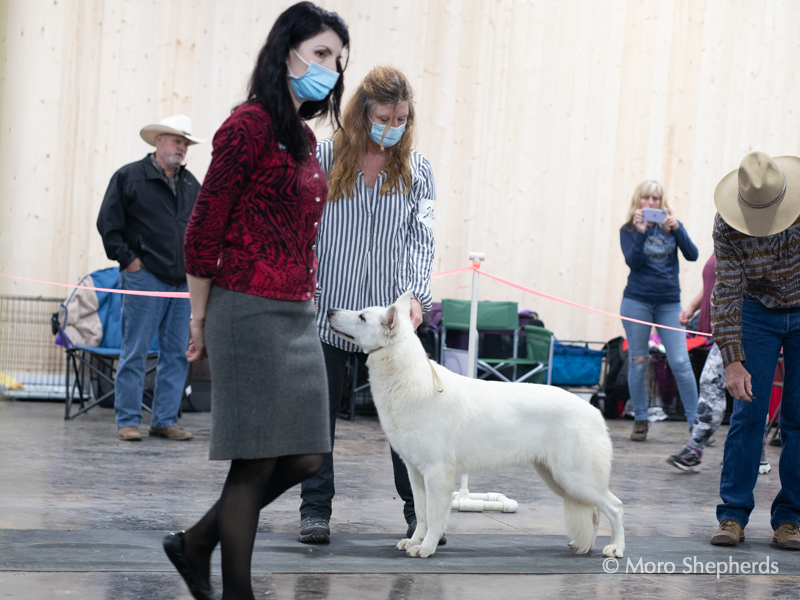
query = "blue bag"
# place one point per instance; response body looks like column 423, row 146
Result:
column 575, row 365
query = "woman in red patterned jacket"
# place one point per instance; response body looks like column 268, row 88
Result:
column 251, row 269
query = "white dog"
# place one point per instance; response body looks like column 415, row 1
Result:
column 442, row 424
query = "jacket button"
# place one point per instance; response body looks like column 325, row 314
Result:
column 316, row 224
column 316, row 175
column 313, row 246
column 311, row 270
column 317, row 198
column 308, row 294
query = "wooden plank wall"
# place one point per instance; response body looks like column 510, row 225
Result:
column 539, row 119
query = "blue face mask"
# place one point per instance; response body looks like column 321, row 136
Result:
column 315, row 84
column 393, row 134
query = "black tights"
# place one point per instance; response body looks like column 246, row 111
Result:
column 233, row 520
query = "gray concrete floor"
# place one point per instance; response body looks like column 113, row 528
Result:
column 81, row 515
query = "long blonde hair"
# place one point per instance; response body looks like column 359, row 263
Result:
column 648, row 186
column 382, row 85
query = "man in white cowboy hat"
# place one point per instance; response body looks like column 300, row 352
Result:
column 755, row 311
column 142, row 221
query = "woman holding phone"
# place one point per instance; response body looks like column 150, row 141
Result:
column 653, row 294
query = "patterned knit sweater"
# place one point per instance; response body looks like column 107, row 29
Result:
column 766, row 268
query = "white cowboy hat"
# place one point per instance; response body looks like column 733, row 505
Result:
column 761, row 197
column 175, row 125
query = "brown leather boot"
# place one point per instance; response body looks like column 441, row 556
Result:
column 730, row 533
column 787, row 536
column 129, row 434
column 639, row 431
column 173, row 432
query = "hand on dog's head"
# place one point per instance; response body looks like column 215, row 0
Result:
column 375, row 327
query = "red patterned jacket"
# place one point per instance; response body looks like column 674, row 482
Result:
column 254, row 225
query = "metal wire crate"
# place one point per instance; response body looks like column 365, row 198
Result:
column 31, row 364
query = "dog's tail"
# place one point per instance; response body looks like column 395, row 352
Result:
column 581, row 518
column 582, row 521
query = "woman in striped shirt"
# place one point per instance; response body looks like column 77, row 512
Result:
column 375, row 242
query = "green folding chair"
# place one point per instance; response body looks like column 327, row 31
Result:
column 539, row 344
column 495, row 317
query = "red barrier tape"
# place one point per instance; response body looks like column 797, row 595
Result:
column 476, row 266
column 86, row 287
column 454, row 271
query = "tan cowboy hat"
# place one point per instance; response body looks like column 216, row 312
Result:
column 175, row 125
column 762, row 197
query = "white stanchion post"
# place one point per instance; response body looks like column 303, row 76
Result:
column 463, row 501
column 472, row 350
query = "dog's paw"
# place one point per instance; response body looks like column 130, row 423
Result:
column 403, row 545
column 420, row 551
column 613, row 550
column 572, row 545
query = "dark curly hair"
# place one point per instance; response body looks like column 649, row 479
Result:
column 268, row 83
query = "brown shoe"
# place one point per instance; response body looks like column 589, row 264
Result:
column 173, row 432
column 730, row 533
column 787, row 536
column 639, row 431
column 129, row 434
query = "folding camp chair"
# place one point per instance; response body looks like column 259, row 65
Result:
column 493, row 317
column 356, row 385
column 88, row 326
column 540, row 343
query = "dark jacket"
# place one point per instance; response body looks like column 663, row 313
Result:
column 653, row 259
column 141, row 218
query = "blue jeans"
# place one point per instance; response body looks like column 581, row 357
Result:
column 141, row 318
column 764, row 332
column 677, row 355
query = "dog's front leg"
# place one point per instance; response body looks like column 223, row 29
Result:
column 418, row 491
column 438, row 491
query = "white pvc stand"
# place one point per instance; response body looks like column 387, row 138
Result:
column 463, row 501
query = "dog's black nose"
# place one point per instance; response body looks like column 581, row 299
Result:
column 331, row 312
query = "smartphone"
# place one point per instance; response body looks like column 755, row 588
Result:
column 654, row 215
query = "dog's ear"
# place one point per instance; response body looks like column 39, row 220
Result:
column 405, row 299
column 390, row 318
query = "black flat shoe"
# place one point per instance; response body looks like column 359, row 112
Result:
column 175, row 547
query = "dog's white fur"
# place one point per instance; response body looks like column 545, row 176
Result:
column 474, row 426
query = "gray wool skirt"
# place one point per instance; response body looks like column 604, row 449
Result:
column 269, row 391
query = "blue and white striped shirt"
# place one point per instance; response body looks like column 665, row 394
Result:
column 372, row 248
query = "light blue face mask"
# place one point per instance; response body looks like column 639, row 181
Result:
column 315, row 84
column 392, row 136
